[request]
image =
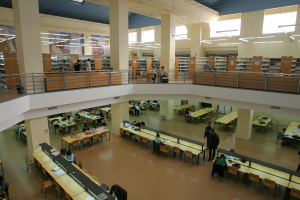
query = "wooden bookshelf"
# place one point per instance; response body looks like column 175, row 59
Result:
column 211, row 61
column 11, row 67
column 232, row 64
column 288, row 64
column 134, row 65
column 192, row 66
column 98, row 62
column 260, row 64
column 73, row 59
column 149, row 62
column 47, row 64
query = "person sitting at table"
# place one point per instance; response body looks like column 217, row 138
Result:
column 119, row 192
column 136, row 110
column 55, row 123
column 231, row 150
column 153, row 70
column 3, row 188
column 85, row 128
column 188, row 118
column 158, row 142
column 76, row 130
column 281, row 133
column 164, row 73
column 70, row 118
column 70, row 156
column 63, row 152
column 101, row 115
column 221, row 160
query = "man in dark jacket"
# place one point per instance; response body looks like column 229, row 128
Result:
column 119, row 192
column 212, row 142
column 207, row 132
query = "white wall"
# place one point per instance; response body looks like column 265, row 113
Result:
column 195, row 103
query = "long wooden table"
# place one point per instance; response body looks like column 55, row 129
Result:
column 92, row 117
column 106, row 109
column 170, row 141
column 183, row 107
column 256, row 121
column 290, row 131
column 226, row 119
column 51, row 119
column 70, row 140
column 75, row 182
column 199, row 113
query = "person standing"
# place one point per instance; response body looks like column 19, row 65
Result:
column 213, row 142
column 281, row 133
column 119, row 192
column 206, row 66
column 77, row 66
column 207, row 132
column 4, row 187
column 88, row 65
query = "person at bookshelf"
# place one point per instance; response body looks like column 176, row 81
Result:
column 153, row 70
column 206, row 66
column 88, row 65
column 77, row 66
column 164, row 73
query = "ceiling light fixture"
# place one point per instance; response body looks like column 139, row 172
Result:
column 43, row 33
column 243, row 40
column 286, row 26
column 81, row 2
column 228, row 43
column 292, row 37
column 249, row 38
column 7, row 34
column 267, row 42
column 60, row 34
column 227, row 31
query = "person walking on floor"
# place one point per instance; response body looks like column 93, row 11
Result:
column 207, row 132
column 213, row 143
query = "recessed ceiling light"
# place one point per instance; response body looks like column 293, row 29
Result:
column 78, row 1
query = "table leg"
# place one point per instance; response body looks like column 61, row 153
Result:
column 204, row 155
column 109, row 135
column 198, row 158
column 69, row 147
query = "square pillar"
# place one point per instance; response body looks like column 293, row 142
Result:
column 157, row 40
column 28, row 41
column 139, row 33
column 244, row 124
column 37, row 132
column 167, row 109
column 119, row 113
column 195, row 34
column 118, row 20
column 168, row 42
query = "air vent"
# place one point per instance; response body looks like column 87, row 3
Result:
column 116, row 97
column 275, row 107
column 52, row 108
column 208, row 98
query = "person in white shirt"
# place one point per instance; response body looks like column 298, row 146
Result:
column 88, row 65
column 153, row 70
column 164, row 73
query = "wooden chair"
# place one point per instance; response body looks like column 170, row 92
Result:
column 164, row 150
column 85, row 170
column 231, row 125
column 75, row 143
column 121, row 132
column 150, row 76
column 95, row 137
column 295, row 193
column 190, row 155
column 147, row 106
column 146, row 141
column 29, row 162
column 91, row 121
column 271, row 184
column 153, row 106
column 68, row 197
column 254, row 178
column 198, row 119
column 39, row 166
column 102, row 135
column 127, row 132
column 234, row 171
column 45, row 185
column 94, row 177
column 216, row 113
column 138, row 137
column 77, row 119
column 84, row 141
column 177, row 150
column 45, row 173
column 58, row 190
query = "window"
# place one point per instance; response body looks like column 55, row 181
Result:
column 132, row 37
column 148, row 36
column 227, row 27
column 271, row 22
column 181, row 32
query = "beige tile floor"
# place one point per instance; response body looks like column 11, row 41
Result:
column 145, row 175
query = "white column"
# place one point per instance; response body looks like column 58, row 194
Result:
column 119, row 113
column 244, row 124
column 157, row 40
column 37, row 132
column 195, row 34
column 139, row 39
column 118, row 17
column 28, row 40
column 168, row 42
column 167, row 109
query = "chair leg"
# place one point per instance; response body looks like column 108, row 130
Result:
column 45, row 192
column 41, row 189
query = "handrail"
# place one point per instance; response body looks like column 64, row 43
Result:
column 30, row 83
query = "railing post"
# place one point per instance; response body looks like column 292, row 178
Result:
column 183, row 76
column 129, row 76
column 298, row 87
column 266, row 83
column 194, row 78
column 237, row 84
column 33, row 84
column 89, row 80
column 64, row 81
column 214, row 79
column 110, row 78
column 21, row 84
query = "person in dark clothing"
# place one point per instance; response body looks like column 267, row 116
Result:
column 188, row 118
column 77, row 66
column 3, row 187
column 298, row 168
column 120, row 193
column 85, row 128
column 207, row 132
column 213, row 142
column 101, row 115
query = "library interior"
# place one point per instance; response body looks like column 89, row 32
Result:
column 149, row 99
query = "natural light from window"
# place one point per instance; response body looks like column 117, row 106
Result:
column 132, row 37
column 181, row 33
column 271, row 22
column 226, row 26
column 148, row 36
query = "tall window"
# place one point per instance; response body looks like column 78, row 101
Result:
column 271, row 22
column 148, row 36
column 226, row 28
column 181, row 33
column 132, row 37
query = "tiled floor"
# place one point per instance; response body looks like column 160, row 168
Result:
column 143, row 174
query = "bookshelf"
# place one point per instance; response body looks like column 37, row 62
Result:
column 196, row 64
column 183, row 66
column 288, row 64
column 274, row 64
column 297, row 66
column 232, row 64
column 8, row 66
column 106, row 62
column 239, row 64
column 84, row 58
column 61, row 60
column 156, row 62
column 260, row 64
column 220, row 64
column 47, row 65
